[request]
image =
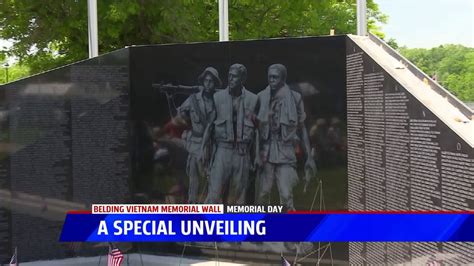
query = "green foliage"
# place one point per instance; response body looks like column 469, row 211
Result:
column 453, row 66
column 255, row 19
column 393, row 43
column 15, row 72
column 50, row 33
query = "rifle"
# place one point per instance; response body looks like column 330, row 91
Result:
column 170, row 89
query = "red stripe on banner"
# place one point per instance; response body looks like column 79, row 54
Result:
column 338, row 212
column 79, row 212
column 380, row 212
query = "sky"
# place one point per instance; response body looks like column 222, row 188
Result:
column 429, row 23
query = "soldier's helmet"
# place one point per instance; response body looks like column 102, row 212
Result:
column 214, row 73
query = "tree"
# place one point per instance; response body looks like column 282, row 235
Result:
column 50, row 33
column 15, row 71
column 393, row 43
column 453, row 66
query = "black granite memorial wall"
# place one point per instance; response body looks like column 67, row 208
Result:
column 315, row 67
column 94, row 131
column 401, row 157
column 64, row 136
column 98, row 131
column 316, row 70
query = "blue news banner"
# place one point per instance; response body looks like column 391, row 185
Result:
column 311, row 227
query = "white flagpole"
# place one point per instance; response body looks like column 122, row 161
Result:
column 362, row 17
column 223, row 20
column 93, row 33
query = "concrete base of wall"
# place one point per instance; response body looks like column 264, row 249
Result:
column 131, row 259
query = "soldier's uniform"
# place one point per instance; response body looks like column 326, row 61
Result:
column 279, row 118
column 234, row 131
column 200, row 111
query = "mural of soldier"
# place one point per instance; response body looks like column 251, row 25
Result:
column 199, row 109
column 233, row 131
column 281, row 118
